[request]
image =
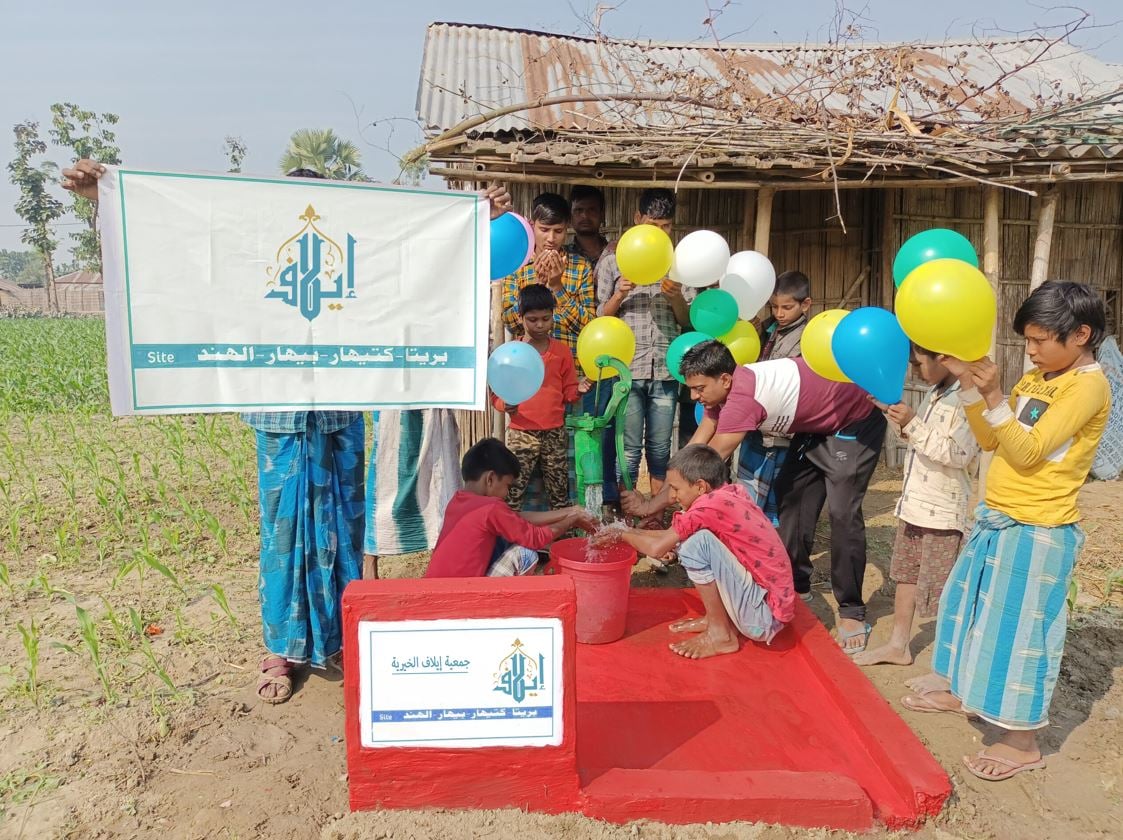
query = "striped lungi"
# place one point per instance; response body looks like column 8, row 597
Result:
column 1001, row 627
column 414, row 472
column 311, row 493
column 757, row 469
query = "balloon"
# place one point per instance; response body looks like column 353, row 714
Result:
column 948, row 306
column 604, row 336
column 510, row 245
column 928, row 245
column 743, row 342
column 713, row 312
column 678, row 349
column 815, row 344
column 699, row 412
column 515, row 372
column 529, row 237
column 700, row 259
column 872, row 349
column 644, row 255
column 752, row 283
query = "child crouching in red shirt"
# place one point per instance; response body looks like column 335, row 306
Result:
column 730, row 551
column 480, row 535
column 536, row 432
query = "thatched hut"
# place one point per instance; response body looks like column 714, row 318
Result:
column 824, row 157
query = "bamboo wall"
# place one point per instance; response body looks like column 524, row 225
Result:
column 1087, row 245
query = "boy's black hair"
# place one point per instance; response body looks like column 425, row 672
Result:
column 535, row 298
column 1060, row 308
column 794, row 284
column 698, row 462
column 924, row 351
column 657, row 203
column 489, row 454
column 302, row 172
column 550, row 209
column 583, row 192
column 707, row 358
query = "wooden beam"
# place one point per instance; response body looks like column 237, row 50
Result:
column 992, row 268
column 498, row 336
column 748, row 222
column 1042, row 248
column 763, row 226
column 888, row 239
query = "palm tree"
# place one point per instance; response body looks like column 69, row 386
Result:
column 319, row 149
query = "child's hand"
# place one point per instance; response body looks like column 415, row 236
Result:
column 878, row 404
column 900, row 414
column 984, row 374
column 82, row 178
column 670, row 288
column 624, row 287
column 584, row 386
column 634, row 503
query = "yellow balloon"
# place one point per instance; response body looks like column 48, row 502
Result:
column 948, row 306
column 604, row 336
column 644, row 254
column 743, row 342
column 815, row 344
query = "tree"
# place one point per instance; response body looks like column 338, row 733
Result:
column 319, row 149
column 36, row 206
column 88, row 135
column 235, row 149
column 24, row 268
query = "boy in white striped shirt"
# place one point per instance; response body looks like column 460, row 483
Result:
column 932, row 510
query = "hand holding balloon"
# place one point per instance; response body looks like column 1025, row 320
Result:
column 900, row 414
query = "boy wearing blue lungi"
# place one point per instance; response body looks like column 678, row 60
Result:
column 1003, row 615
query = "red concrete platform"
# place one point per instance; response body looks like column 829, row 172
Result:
column 793, row 733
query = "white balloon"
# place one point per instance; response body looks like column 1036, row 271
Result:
column 751, row 279
column 700, row 259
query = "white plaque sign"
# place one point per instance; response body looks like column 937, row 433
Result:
column 461, row 683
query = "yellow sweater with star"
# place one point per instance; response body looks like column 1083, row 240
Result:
column 1044, row 440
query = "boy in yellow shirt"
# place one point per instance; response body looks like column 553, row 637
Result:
column 1003, row 615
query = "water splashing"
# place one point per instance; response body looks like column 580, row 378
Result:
column 594, row 499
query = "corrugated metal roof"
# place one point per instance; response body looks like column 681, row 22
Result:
column 471, row 69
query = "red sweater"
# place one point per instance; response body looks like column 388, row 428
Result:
column 467, row 540
column 546, row 409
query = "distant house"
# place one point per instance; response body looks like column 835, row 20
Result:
column 80, row 292
column 11, row 295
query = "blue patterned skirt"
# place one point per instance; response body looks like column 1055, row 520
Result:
column 311, row 493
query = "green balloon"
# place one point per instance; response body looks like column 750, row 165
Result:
column 928, row 245
column 714, row 312
column 678, row 349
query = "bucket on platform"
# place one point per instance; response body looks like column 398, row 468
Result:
column 602, row 587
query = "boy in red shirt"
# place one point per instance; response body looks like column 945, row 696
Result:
column 536, row 432
column 731, row 554
column 481, row 535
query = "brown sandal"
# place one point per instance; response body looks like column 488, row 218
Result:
column 275, row 671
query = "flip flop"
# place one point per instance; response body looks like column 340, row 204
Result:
column 1015, row 767
column 844, row 637
column 919, row 703
column 275, row 670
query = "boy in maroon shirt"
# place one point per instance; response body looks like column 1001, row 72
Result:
column 481, row 536
column 837, row 439
column 731, row 554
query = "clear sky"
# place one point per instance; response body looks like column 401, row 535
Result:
column 183, row 76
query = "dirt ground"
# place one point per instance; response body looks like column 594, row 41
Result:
column 209, row 760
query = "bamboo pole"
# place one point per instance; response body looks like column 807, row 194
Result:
column 1042, row 247
column 748, row 221
column 763, row 224
column 992, row 268
column 888, row 221
column 498, row 335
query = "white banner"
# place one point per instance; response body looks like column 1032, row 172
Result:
column 231, row 293
column 494, row 682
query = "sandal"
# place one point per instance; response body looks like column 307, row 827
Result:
column 919, row 702
column 275, row 671
column 1014, row 767
column 843, row 638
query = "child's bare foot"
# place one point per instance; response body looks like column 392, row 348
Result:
column 884, row 655
column 705, row 645
column 690, row 625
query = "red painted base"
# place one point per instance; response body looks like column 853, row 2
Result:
column 792, row 733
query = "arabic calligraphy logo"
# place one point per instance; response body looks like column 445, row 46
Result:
column 520, row 673
column 311, row 267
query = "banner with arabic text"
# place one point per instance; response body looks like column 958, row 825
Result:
column 232, row 293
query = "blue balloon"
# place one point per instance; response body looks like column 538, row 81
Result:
column 515, row 372
column 699, row 413
column 872, row 349
column 509, row 246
